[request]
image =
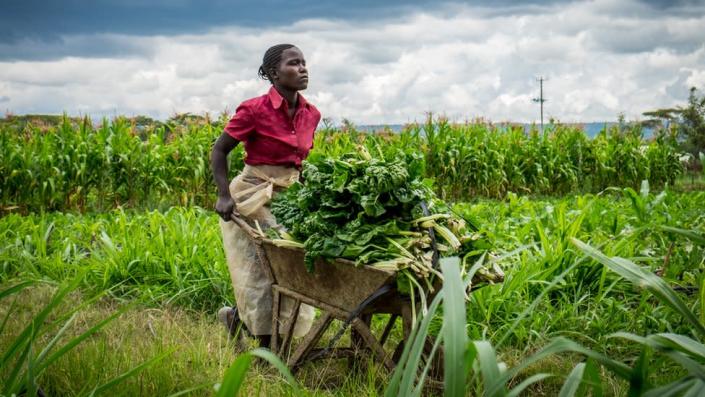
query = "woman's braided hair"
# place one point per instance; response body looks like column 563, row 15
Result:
column 271, row 60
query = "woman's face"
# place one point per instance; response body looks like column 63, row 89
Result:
column 291, row 72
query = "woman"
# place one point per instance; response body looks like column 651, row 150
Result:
column 277, row 130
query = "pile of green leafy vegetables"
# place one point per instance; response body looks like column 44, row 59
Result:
column 369, row 210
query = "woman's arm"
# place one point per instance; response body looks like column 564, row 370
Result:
column 219, row 165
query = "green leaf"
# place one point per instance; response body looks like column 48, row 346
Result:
column 681, row 343
column 234, row 376
column 493, row 383
column 279, row 365
column 454, row 320
column 644, row 279
column 15, row 288
column 516, row 391
column 639, row 381
column 690, row 234
column 673, row 388
column 572, row 382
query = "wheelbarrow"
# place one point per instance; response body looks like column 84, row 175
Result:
column 341, row 291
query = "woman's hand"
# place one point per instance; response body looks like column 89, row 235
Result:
column 224, row 207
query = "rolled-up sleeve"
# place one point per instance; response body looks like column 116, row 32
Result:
column 241, row 125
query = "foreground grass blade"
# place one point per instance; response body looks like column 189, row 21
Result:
column 560, row 345
column 234, row 376
column 691, row 234
column 490, row 370
column 454, row 334
column 75, row 341
column 416, row 348
column 279, row 365
column 404, row 375
column 395, row 382
column 516, row 391
column 643, row 279
column 591, row 380
column 573, row 381
column 29, row 333
column 673, row 389
column 15, row 288
column 682, row 343
column 692, row 366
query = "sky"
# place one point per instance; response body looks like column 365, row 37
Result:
column 370, row 62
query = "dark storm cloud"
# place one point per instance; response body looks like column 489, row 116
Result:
column 380, row 64
column 35, row 29
column 672, row 4
column 638, row 37
column 89, row 46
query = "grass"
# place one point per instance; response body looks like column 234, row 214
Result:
column 170, row 265
column 200, row 353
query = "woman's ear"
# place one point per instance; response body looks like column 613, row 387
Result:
column 273, row 74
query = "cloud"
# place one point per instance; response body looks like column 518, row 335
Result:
column 50, row 21
column 601, row 58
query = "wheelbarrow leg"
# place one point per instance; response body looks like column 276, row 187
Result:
column 289, row 329
column 309, row 341
column 276, row 297
column 372, row 343
column 357, row 342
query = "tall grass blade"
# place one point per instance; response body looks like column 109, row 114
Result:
column 516, row 391
column 453, row 332
column 234, row 376
column 560, row 345
column 411, row 367
column 572, row 383
column 394, row 384
column 422, row 378
column 681, row 343
column 672, row 389
column 690, row 234
column 490, row 369
column 75, row 341
column 279, row 365
column 643, row 279
column 591, row 380
column 15, row 288
column 28, row 334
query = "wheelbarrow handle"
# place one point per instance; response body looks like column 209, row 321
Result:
column 254, row 234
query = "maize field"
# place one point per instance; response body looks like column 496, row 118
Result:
column 113, row 266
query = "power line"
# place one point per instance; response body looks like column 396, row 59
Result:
column 541, row 99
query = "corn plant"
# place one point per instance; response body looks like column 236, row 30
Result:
column 76, row 165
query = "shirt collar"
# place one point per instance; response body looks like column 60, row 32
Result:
column 276, row 98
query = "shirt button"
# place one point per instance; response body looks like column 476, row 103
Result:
column 293, row 131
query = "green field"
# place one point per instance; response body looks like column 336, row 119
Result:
column 128, row 232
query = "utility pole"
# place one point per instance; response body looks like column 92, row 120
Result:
column 541, row 99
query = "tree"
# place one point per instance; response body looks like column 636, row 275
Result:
column 689, row 122
column 692, row 125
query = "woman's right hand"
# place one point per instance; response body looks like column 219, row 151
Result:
column 224, row 207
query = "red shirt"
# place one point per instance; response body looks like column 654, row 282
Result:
column 269, row 135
